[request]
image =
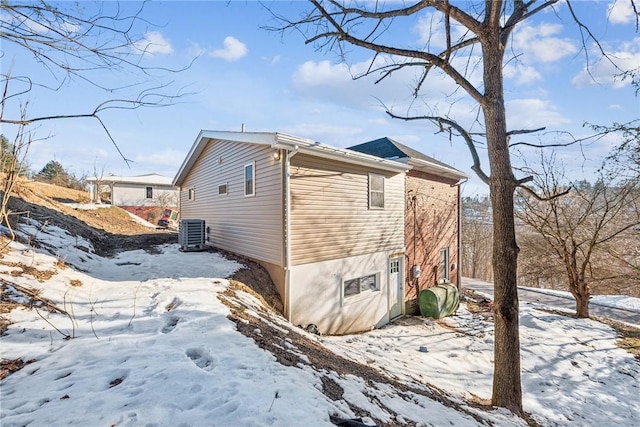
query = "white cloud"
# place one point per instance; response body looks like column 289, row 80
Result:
column 533, row 113
column 233, row 50
column 154, row 43
column 621, row 12
column 334, row 83
column 522, row 74
column 540, row 44
column 322, row 73
column 272, row 61
column 607, row 71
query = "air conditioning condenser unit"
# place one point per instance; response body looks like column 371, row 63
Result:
column 191, row 235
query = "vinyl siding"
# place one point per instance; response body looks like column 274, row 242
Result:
column 330, row 215
column 247, row 225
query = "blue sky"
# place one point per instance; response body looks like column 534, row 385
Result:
column 272, row 82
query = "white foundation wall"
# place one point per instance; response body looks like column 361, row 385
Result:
column 316, row 292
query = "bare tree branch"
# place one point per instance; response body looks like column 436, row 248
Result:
column 441, row 121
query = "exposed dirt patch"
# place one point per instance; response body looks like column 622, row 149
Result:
column 6, row 306
column 254, row 277
column 477, row 304
column 629, row 337
column 40, row 275
column 8, row 367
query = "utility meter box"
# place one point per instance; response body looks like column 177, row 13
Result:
column 415, row 271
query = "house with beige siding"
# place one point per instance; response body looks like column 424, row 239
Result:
column 328, row 224
column 432, row 218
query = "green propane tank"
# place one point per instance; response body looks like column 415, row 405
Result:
column 439, row 301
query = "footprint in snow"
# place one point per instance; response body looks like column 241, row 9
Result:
column 200, row 358
column 170, row 324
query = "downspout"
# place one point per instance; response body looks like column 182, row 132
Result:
column 416, row 279
column 459, row 235
column 287, row 226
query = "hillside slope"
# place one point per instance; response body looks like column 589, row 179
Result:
column 109, row 228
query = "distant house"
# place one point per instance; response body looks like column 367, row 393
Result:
column 432, row 217
column 143, row 195
column 328, row 224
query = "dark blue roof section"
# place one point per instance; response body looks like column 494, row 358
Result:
column 389, row 149
column 382, row 147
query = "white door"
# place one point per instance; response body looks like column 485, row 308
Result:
column 396, row 291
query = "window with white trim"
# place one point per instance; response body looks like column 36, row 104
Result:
column 250, row 179
column 223, row 189
column 360, row 285
column 444, row 265
column 191, row 193
column 376, row 191
column 149, row 192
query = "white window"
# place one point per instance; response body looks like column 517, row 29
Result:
column 376, row 191
column 192, row 193
column 361, row 284
column 223, row 189
column 250, row 179
column 149, row 191
column 444, row 265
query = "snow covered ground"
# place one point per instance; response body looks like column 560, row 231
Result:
column 151, row 344
column 613, row 301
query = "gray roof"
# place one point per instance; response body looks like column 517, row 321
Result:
column 387, row 148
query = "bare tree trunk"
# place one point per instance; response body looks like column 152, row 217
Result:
column 507, row 387
column 582, row 295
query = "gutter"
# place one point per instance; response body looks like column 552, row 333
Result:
column 433, row 168
column 287, row 234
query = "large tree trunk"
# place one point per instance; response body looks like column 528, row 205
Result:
column 507, row 388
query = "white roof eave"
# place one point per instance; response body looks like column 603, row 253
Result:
column 436, row 169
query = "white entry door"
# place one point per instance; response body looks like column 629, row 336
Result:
column 396, row 290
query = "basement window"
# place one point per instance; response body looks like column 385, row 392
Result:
column 360, row 285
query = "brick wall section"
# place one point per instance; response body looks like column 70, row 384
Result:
column 432, row 219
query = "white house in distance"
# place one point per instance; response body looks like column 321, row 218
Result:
column 134, row 191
